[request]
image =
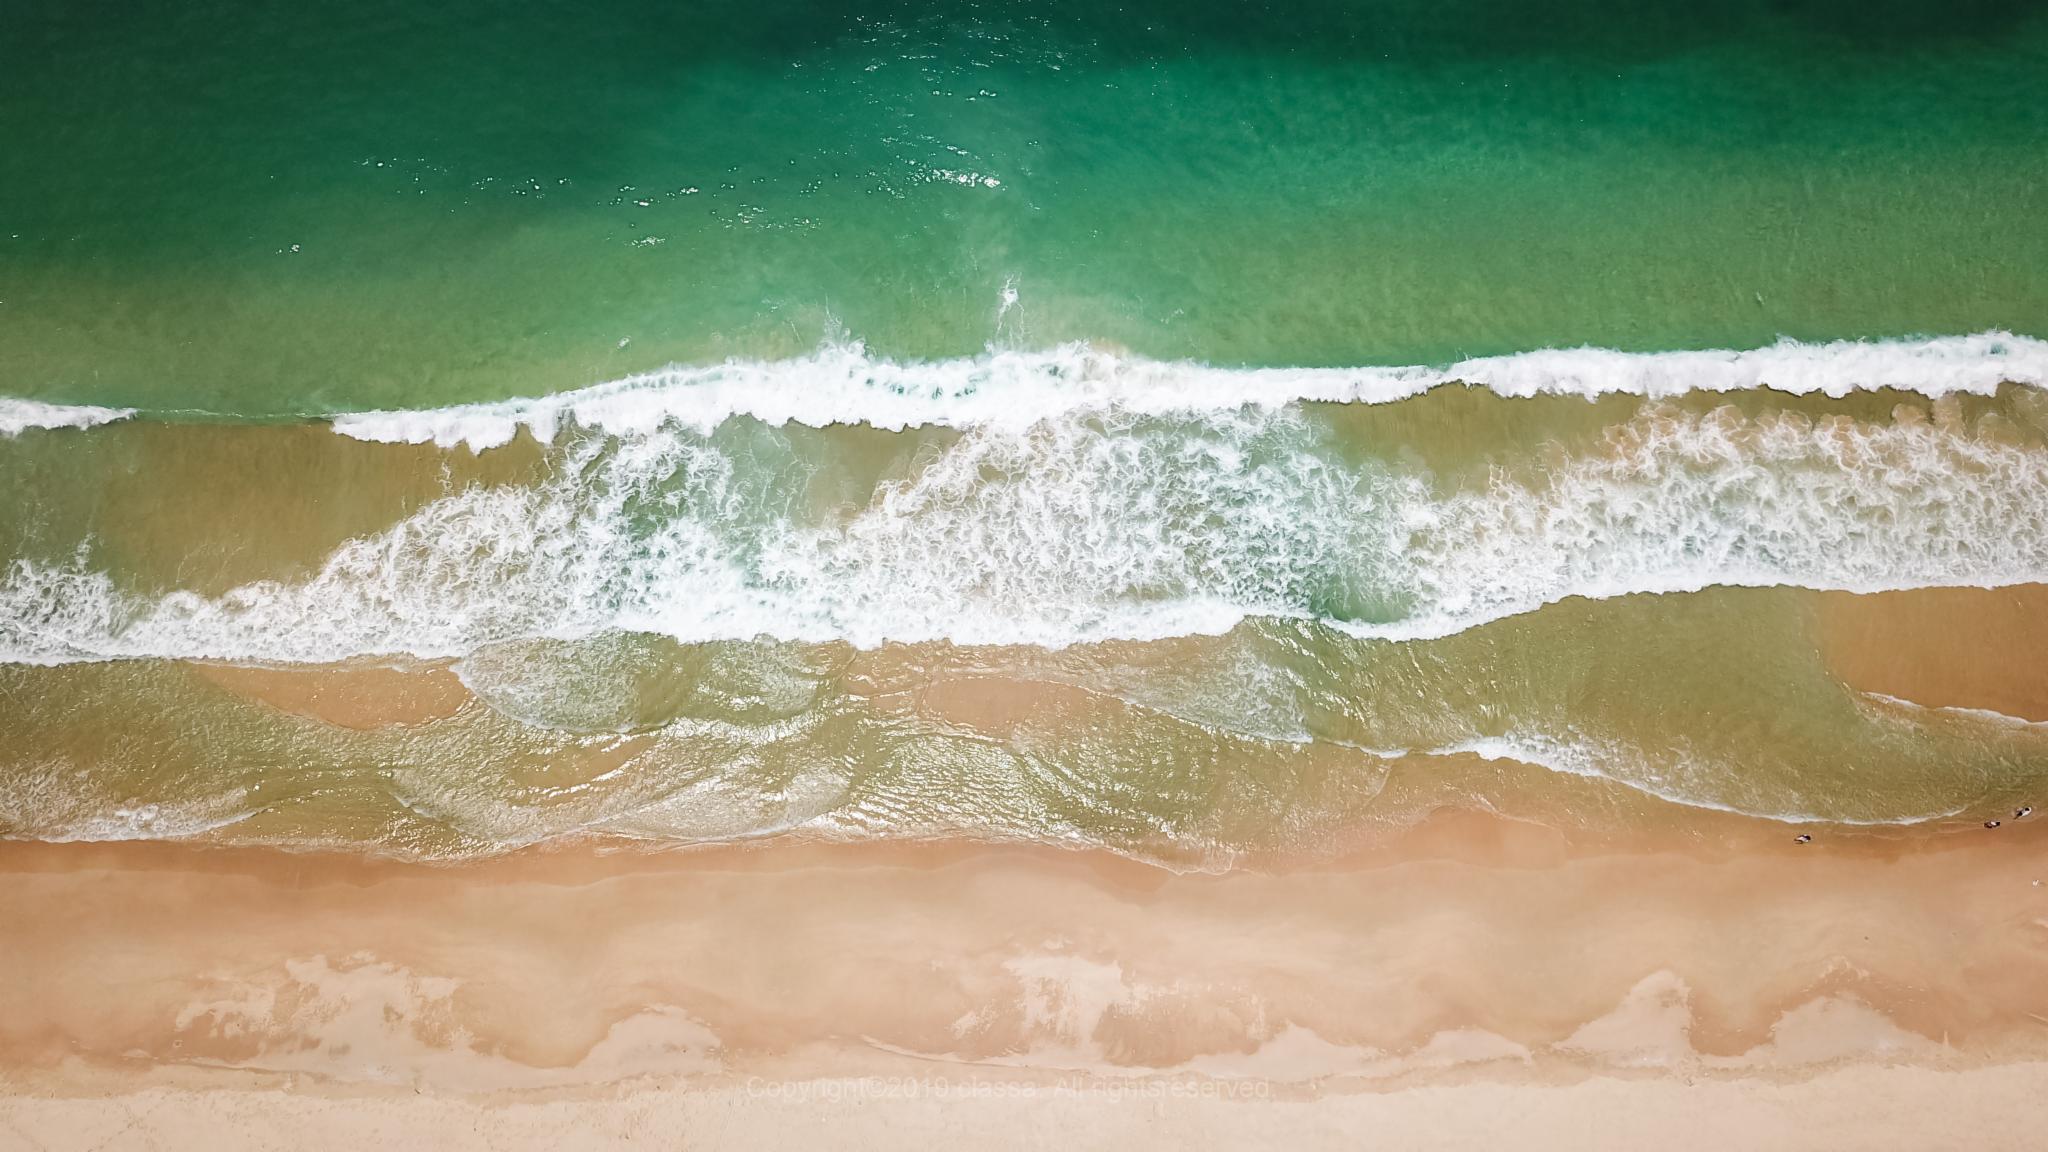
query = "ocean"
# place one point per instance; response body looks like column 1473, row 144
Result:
column 1212, row 433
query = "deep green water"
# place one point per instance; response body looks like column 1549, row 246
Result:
column 269, row 208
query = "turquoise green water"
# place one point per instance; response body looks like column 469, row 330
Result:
column 263, row 209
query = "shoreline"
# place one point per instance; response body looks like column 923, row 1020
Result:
column 1449, row 968
column 1962, row 665
column 1581, row 968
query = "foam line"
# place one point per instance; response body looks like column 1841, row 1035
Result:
column 843, row 384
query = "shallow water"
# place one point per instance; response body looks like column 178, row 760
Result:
column 1192, row 638
column 1277, row 740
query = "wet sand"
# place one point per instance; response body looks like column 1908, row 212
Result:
column 1458, row 988
column 1984, row 648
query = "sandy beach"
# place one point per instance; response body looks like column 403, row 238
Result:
column 726, row 997
column 1696, row 980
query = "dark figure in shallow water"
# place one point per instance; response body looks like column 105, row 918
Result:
column 2023, row 813
column 1991, row 823
column 1802, row 838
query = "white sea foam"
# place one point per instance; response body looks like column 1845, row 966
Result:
column 843, row 384
column 1978, row 715
column 1599, row 760
column 1086, row 528
column 63, row 803
column 18, row 416
column 1593, row 759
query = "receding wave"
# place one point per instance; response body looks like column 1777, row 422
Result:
column 1094, row 526
column 844, row 384
column 1596, row 760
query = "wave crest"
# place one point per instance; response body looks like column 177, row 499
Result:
column 844, row 384
column 18, row 416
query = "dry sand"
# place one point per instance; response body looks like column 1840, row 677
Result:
column 1866, row 993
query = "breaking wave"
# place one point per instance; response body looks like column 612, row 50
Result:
column 843, row 384
column 18, row 416
column 1093, row 526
